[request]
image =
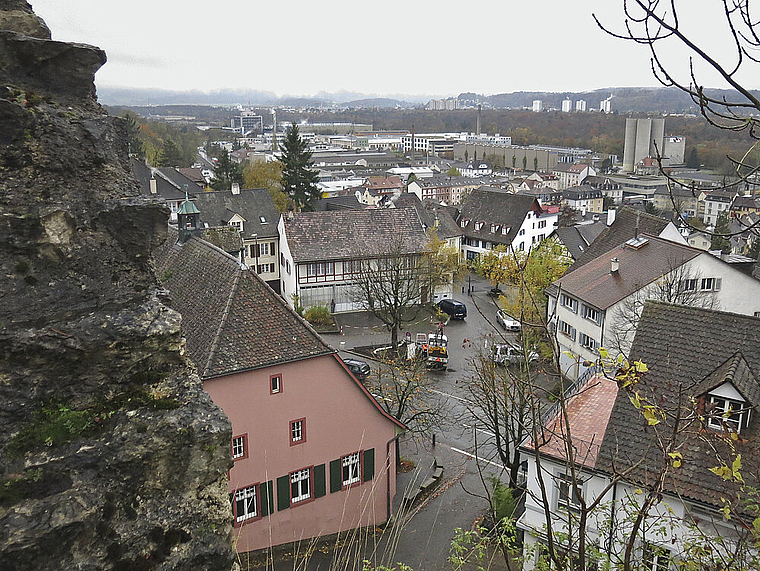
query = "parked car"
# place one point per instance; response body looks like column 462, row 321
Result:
column 360, row 369
column 507, row 321
column 455, row 309
column 507, row 354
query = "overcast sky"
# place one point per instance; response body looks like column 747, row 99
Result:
column 300, row 47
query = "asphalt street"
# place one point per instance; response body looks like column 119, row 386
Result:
column 421, row 537
column 459, row 502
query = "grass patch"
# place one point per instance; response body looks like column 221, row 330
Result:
column 55, row 423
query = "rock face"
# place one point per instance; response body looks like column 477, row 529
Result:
column 111, row 454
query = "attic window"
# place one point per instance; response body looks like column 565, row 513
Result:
column 478, row 225
column 727, row 413
column 637, row 243
column 494, row 228
column 505, row 230
column 464, row 222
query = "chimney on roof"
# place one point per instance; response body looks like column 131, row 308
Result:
column 611, row 213
column 614, row 265
column 153, row 187
column 235, row 188
column 636, row 230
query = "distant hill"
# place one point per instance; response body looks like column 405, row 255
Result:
column 624, row 99
column 377, row 103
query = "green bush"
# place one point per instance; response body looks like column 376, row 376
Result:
column 502, row 500
column 318, row 315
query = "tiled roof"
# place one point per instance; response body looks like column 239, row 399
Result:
column 596, row 284
column 218, row 207
column 231, row 319
column 577, row 238
column 621, row 230
column 164, row 187
column 588, row 414
column 582, row 192
column 354, row 234
column 681, row 346
column 429, row 212
column 179, row 179
column 736, row 371
column 494, row 207
column 225, row 237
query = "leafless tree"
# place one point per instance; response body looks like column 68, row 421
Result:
column 390, row 286
column 681, row 285
column 660, row 25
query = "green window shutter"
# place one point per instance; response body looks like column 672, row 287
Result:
column 266, row 494
column 283, row 493
column 319, row 481
column 369, row 465
column 264, row 499
column 336, row 476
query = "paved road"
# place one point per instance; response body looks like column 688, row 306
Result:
column 428, row 529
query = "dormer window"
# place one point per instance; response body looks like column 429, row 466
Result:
column 464, row 222
column 494, row 227
column 478, row 225
column 727, row 413
column 505, row 230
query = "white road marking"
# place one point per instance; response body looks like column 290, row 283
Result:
column 450, row 396
column 474, row 457
column 488, row 432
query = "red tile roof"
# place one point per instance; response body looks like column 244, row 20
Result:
column 588, row 412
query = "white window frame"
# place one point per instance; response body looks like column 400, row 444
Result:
column 296, row 430
column 300, row 485
column 590, row 313
column 351, row 465
column 566, row 497
column 569, row 302
column 246, row 498
column 656, row 557
column 567, row 329
column 738, row 418
column 238, row 447
column 586, row 341
column 690, row 284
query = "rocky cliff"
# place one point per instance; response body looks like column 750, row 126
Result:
column 111, row 454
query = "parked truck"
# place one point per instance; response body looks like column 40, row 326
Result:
column 434, row 349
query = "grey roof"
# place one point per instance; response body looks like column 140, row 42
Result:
column 621, row 230
column 593, row 282
column 164, row 187
column 354, row 234
column 252, row 205
column 231, row 319
column 178, row 179
column 446, row 180
column 347, row 202
column 582, row 192
column 682, row 347
column 430, row 212
column 495, row 207
column 577, row 238
column 225, row 237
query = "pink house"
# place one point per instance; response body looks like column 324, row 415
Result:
column 312, row 451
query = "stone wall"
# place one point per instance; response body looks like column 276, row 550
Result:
column 111, row 455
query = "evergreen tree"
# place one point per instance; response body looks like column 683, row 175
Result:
column 692, row 161
column 720, row 239
column 171, row 155
column 136, row 148
column 226, row 172
column 298, row 181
